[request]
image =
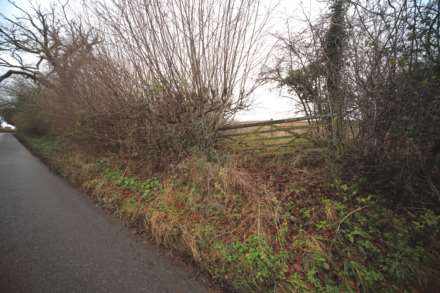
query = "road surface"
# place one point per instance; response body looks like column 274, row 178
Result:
column 54, row 239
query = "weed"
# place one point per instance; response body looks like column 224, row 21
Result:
column 45, row 145
column 145, row 187
column 255, row 259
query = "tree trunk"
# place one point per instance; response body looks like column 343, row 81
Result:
column 333, row 52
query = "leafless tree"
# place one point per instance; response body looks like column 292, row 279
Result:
column 41, row 43
column 200, row 54
column 191, row 64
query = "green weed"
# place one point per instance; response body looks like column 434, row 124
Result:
column 145, row 187
column 44, row 145
column 253, row 264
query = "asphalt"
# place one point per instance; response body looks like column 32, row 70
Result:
column 54, row 239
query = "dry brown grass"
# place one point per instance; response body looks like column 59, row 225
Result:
column 201, row 203
column 255, row 224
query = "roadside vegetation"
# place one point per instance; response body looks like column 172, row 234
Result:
column 6, row 130
column 131, row 113
column 268, row 224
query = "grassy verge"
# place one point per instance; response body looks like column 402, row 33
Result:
column 272, row 225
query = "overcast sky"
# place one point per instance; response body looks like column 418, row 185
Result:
column 268, row 101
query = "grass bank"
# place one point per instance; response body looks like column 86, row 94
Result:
column 269, row 225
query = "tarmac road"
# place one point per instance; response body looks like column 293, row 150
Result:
column 54, row 239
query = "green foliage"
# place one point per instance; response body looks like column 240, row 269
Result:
column 367, row 248
column 379, row 247
column 145, row 187
column 45, row 145
column 252, row 264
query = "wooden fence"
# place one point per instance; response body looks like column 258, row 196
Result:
column 273, row 136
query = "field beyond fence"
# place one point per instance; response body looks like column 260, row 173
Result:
column 272, row 136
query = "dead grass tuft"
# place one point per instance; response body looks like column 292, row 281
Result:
column 210, row 176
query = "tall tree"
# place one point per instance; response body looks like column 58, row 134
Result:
column 41, row 43
column 334, row 58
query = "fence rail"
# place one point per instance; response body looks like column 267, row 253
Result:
column 273, row 136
